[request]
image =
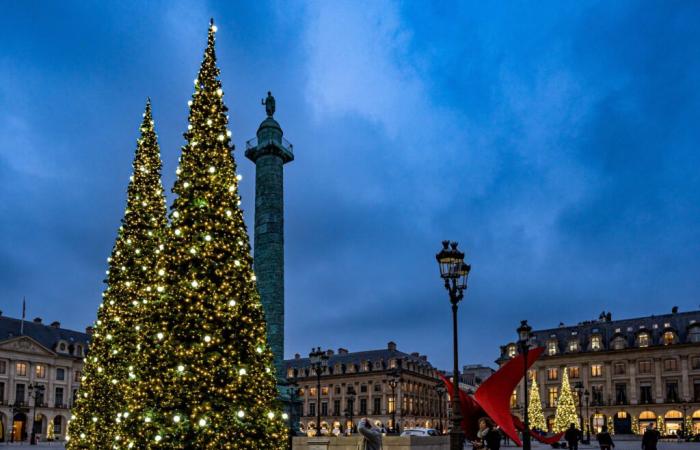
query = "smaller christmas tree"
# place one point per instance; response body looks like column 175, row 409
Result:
column 534, row 408
column 566, row 407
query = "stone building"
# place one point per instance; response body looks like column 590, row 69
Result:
column 358, row 384
column 34, row 354
column 634, row 371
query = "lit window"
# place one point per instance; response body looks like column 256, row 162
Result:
column 552, row 348
column 552, row 373
column 21, row 369
column 514, row 399
column 552, row 394
column 40, row 371
column 573, row 346
column 511, row 351
column 643, row 340
column 324, row 390
column 573, row 372
column 596, row 370
column 669, row 337
column 595, row 343
column 312, row 392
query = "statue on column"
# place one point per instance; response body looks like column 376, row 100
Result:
column 269, row 104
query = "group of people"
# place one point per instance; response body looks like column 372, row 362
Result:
column 650, row 438
column 489, row 437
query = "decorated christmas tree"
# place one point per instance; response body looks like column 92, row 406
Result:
column 534, row 408
column 566, row 406
column 207, row 380
column 133, row 281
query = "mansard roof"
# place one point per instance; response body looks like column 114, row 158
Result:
column 50, row 336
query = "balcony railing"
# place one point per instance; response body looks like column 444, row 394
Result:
column 254, row 143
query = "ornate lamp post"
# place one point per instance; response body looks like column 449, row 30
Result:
column 579, row 391
column 440, row 390
column 394, row 380
column 319, row 362
column 684, row 406
column 454, row 272
column 36, row 391
column 587, row 399
column 524, row 335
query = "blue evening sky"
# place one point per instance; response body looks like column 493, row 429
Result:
column 558, row 142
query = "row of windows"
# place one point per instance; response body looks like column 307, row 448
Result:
column 364, row 388
column 22, row 396
column 410, row 406
column 643, row 339
column 597, row 395
column 22, row 369
column 620, row 368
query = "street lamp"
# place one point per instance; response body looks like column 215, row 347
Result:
column 394, row 380
column 524, row 335
column 349, row 411
column 684, row 405
column 319, row 362
column 586, row 398
column 454, row 272
column 579, row 391
column 36, row 391
column 440, row 390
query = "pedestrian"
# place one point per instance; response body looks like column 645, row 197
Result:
column 489, row 438
column 572, row 436
column 604, row 439
column 650, row 438
column 371, row 437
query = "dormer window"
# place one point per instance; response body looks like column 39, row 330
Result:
column 643, row 339
column 596, row 342
column 62, row 346
column 619, row 343
column 669, row 337
column 551, row 347
column 694, row 333
column 511, row 351
column 573, row 346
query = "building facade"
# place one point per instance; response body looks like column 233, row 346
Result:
column 35, row 357
column 626, row 373
column 359, row 384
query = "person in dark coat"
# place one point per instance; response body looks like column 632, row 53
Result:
column 572, row 436
column 489, row 438
column 650, row 438
column 604, row 439
column 371, row 437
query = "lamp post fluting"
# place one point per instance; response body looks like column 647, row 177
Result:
column 36, row 391
column 319, row 362
column 454, row 273
column 524, row 336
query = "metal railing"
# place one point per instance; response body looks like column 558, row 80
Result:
column 254, row 143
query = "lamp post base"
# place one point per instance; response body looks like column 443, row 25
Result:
column 456, row 439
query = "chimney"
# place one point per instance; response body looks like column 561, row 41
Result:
column 674, row 310
column 424, row 357
column 297, row 356
column 391, row 346
column 89, row 330
column 329, row 352
column 415, row 354
column 342, row 351
column 37, row 320
column 56, row 324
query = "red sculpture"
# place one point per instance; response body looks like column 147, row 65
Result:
column 492, row 399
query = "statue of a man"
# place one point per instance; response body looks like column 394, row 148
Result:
column 269, row 103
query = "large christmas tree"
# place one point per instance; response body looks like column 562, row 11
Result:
column 534, row 408
column 207, row 380
column 133, row 281
column 566, row 406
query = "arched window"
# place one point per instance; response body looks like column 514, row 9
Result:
column 673, row 414
column 619, row 343
column 647, row 415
